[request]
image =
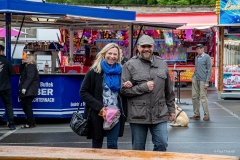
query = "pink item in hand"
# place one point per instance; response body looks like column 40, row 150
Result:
column 111, row 112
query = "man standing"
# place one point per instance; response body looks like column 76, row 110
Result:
column 150, row 99
column 6, row 71
column 200, row 83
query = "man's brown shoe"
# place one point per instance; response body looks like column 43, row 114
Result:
column 206, row 118
column 195, row 117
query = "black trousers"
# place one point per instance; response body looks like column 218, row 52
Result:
column 7, row 101
column 27, row 109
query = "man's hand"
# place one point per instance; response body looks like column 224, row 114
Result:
column 206, row 86
column 172, row 117
column 150, row 85
column 127, row 84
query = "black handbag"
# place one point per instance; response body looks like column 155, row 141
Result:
column 78, row 124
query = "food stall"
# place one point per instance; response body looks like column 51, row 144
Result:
column 58, row 93
column 199, row 28
column 180, row 52
column 229, row 59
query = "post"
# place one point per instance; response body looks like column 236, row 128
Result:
column 130, row 39
column 8, row 35
column 71, row 47
column 220, row 60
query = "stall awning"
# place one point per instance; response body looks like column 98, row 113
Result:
column 76, row 17
column 192, row 20
column 29, row 7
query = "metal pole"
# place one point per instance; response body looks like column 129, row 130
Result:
column 130, row 39
column 71, row 47
column 137, row 37
column 8, row 35
column 18, row 36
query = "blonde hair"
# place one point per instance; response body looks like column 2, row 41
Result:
column 32, row 59
column 100, row 56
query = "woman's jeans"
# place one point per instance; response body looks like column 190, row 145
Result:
column 159, row 136
column 112, row 138
column 27, row 109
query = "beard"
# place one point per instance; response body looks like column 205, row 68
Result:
column 147, row 55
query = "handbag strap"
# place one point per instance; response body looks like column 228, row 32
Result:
column 81, row 101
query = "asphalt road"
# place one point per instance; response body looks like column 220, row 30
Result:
column 218, row 136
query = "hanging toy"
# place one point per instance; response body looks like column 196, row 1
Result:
column 118, row 35
column 198, row 34
column 168, row 38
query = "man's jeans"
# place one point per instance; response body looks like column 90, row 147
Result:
column 159, row 136
column 7, row 101
column 112, row 138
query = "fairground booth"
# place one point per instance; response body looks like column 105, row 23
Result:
column 199, row 28
column 229, row 48
column 82, row 28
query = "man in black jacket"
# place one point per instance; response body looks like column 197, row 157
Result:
column 6, row 71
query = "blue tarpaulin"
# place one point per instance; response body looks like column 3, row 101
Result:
column 29, row 7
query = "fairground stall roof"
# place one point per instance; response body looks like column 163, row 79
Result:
column 49, row 15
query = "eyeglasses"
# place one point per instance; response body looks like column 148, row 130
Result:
column 146, row 46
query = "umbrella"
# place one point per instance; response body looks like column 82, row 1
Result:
column 14, row 32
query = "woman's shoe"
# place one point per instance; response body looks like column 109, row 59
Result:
column 28, row 126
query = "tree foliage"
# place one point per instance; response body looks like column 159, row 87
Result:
column 138, row 2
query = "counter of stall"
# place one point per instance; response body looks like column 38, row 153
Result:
column 58, row 96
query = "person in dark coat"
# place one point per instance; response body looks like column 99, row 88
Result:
column 6, row 72
column 99, row 89
column 28, row 88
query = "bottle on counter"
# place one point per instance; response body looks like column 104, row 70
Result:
column 81, row 67
column 40, row 45
column 64, row 67
column 45, row 45
column 32, row 45
column 26, row 45
column 46, row 67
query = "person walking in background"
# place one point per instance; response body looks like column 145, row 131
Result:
column 100, row 88
column 28, row 88
column 150, row 96
column 200, row 83
column 90, row 60
column 6, row 72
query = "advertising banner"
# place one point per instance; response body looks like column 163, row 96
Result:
column 231, row 81
column 229, row 12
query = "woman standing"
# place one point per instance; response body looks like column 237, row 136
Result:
column 99, row 89
column 28, row 88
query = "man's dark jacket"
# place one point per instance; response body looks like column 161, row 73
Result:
column 6, row 72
